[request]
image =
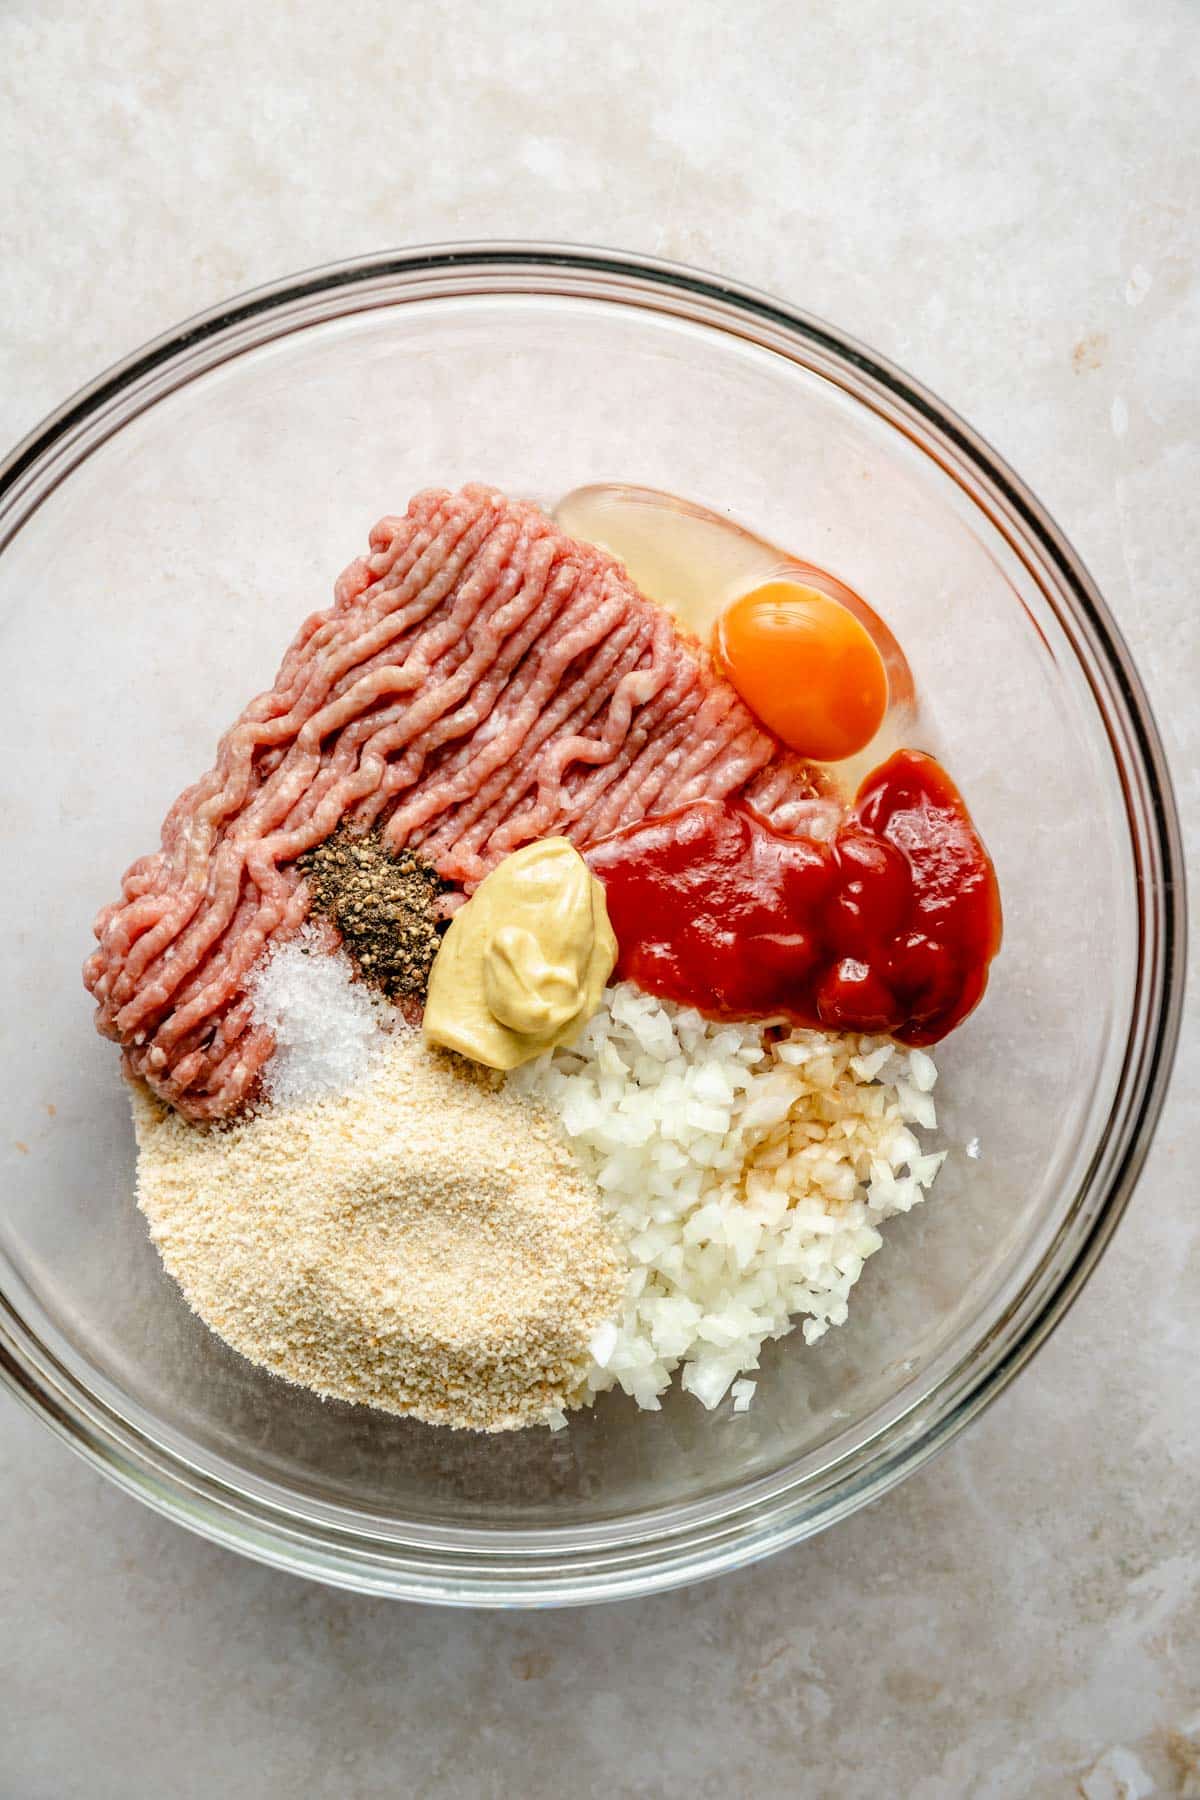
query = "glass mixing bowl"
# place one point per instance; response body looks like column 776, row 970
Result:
column 161, row 536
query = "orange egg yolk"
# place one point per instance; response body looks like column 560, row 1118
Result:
column 805, row 665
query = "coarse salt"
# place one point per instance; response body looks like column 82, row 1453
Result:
column 327, row 1026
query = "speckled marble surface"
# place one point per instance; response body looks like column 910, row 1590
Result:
column 1004, row 200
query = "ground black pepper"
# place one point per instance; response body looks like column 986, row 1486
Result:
column 384, row 906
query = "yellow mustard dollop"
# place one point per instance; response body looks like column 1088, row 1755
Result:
column 524, row 963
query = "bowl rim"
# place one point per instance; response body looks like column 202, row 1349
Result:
column 514, row 1568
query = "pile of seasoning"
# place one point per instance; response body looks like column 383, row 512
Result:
column 385, row 907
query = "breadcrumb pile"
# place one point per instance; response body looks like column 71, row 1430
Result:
column 422, row 1242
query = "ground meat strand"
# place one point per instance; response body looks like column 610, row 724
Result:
column 480, row 681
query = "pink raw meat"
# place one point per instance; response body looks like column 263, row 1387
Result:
column 481, row 680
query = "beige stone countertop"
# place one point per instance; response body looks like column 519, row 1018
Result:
column 1001, row 197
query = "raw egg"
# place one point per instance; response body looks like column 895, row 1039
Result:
column 691, row 560
column 807, row 667
column 697, row 562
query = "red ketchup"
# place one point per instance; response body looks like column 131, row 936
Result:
column 887, row 927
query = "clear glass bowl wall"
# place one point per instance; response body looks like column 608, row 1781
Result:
column 161, row 538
